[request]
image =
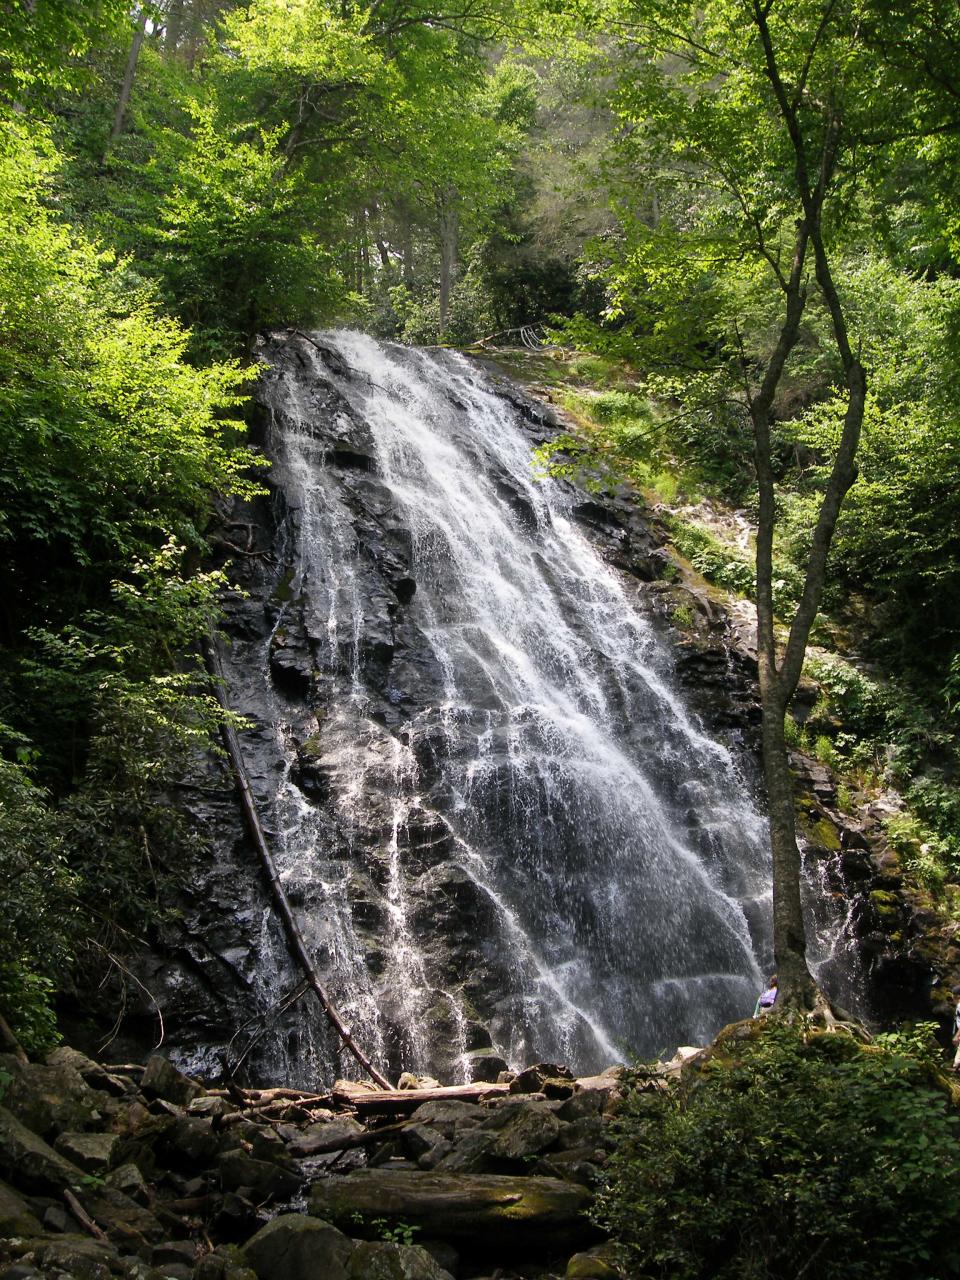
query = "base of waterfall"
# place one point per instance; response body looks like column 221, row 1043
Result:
column 139, row 1171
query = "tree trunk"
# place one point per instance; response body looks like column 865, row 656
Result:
column 449, row 244
column 127, row 86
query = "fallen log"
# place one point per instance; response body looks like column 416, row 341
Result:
column 315, row 1145
column 386, row 1100
column 248, row 805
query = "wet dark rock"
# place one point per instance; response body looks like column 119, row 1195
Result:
column 383, row 1260
column 474, row 1152
column 296, row 1247
column 226, row 1262
column 528, row 1212
column 535, row 1079
column 485, row 1065
column 16, row 1216
column 162, row 1080
column 92, row 1152
column 522, row 1130
column 264, row 1179
column 48, row 1097
column 29, row 1162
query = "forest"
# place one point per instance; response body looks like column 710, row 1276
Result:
column 723, row 240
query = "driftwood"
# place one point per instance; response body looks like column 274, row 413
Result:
column 295, row 937
column 409, row 1099
column 81, row 1215
column 317, row 1146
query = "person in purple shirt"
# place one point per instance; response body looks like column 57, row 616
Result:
column 768, row 998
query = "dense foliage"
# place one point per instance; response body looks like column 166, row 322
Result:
column 791, row 1153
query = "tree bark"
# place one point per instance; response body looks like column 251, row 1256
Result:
column 128, row 76
column 449, row 244
column 780, row 673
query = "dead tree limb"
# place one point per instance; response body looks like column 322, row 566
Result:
column 295, row 937
column 409, row 1099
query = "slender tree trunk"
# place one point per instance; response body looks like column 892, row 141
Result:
column 128, row 77
column 407, row 251
column 449, row 246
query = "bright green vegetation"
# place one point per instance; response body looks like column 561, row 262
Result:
column 792, row 1153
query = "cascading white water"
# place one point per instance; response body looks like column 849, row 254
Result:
column 623, row 867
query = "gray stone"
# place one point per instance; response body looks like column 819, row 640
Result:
column 92, row 1152
column 418, row 1138
column 545, row 1077
column 585, row 1102
column 318, row 1136
column 588, row 1131
column 448, row 1116
column 523, row 1129
column 472, row 1153
column 29, row 1162
column 264, row 1179
column 486, row 1065
column 77, row 1256
column 600, row 1263
column 191, row 1141
column 174, row 1251
column 209, row 1105
column 526, row 1212
column 48, row 1098
column 381, row 1260
column 296, row 1247
column 16, row 1216
column 129, row 1180
column 162, row 1080
column 430, row 1159
column 227, row 1262
column 57, row 1219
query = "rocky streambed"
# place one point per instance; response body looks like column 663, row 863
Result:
column 141, row 1172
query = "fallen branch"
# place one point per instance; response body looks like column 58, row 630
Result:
column 294, row 935
column 81, row 1215
column 308, row 1146
column 409, row 1099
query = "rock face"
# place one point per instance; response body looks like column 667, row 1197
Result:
column 466, row 731
column 504, row 831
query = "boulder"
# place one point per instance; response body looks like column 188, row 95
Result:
column 48, row 1098
column 125, row 1222
column 545, row 1077
column 78, row 1257
column 523, row 1130
column 162, row 1080
column 16, row 1216
column 382, row 1260
column 523, row 1212
column 473, row 1152
column 130, row 1181
column 28, row 1162
column 601, row 1263
column 319, row 1136
column 266, row 1180
column 296, row 1247
column 226, row 1262
column 92, row 1152
column 485, row 1065
column 448, row 1115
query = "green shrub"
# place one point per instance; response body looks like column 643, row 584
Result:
column 794, row 1153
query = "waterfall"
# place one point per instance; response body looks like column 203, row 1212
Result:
column 505, row 834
